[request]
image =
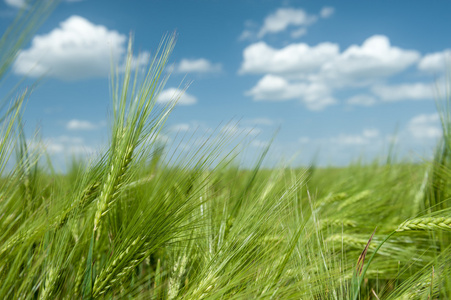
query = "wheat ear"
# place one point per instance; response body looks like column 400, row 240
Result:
column 430, row 223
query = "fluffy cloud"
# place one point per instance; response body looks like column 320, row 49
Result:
column 435, row 62
column 313, row 73
column 77, row 49
column 284, row 17
column 172, row 94
column 326, row 12
column 375, row 59
column 315, row 96
column 296, row 60
column 200, row 65
column 75, row 124
column 425, row 126
column 413, row 91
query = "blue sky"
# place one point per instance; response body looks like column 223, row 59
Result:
column 345, row 78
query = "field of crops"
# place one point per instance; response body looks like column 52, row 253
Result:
column 139, row 223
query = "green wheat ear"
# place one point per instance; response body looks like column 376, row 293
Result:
column 428, row 223
column 132, row 107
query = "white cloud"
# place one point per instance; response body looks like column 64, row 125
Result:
column 298, row 33
column 284, row 17
column 313, row 73
column 200, row 65
column 326, row 12
column 77, row 49
column 16, row 3
column 412, row 91
column 435, row 62
column 172, row 94
column 375, row 59
column 315, row 96
column 362, row 100
column 294, row 60
column 75, row 124
column 425, row 126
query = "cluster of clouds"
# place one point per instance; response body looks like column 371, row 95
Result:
column 313, row 74
column 77, row 49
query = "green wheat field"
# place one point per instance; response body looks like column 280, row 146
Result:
column 137, row 223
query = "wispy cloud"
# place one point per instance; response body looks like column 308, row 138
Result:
column 298, row 33
column 281, row 19
column 76, row 124
column 172, row 94
column 327, row 12
column 200, row 65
